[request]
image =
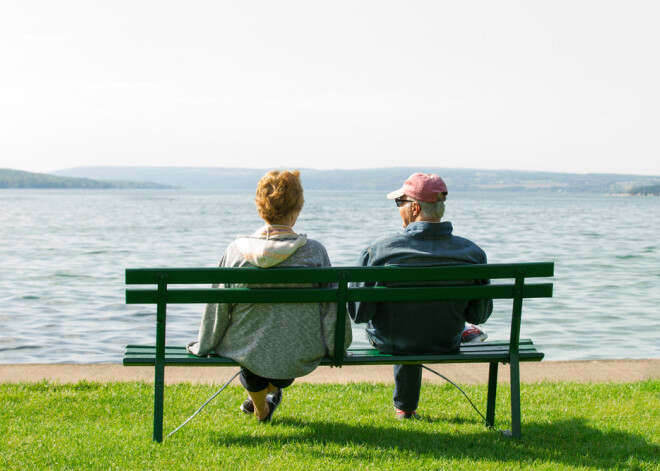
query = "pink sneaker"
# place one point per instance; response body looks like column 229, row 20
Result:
column 403, row 415
column 473, row 334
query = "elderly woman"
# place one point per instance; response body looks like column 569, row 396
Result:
column 274, row 343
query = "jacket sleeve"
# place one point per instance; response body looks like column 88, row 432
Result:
column 479, row 310
column 362, row 312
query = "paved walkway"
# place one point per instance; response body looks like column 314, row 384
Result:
column 581, row 371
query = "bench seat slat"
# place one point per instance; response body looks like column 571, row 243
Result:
column 144, row 355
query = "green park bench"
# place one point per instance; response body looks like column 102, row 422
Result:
column 508, row 281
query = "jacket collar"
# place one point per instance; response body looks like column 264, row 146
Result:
column 425, row 230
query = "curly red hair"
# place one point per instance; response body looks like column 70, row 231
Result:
column 279, row 194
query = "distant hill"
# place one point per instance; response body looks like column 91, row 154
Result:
column 383, row 179
column 20, row 179
column 648, row 190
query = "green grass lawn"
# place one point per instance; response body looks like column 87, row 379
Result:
column 108, row 426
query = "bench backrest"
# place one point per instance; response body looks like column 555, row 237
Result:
column 340, row 290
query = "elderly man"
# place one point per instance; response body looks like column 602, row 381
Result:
column 423, row 326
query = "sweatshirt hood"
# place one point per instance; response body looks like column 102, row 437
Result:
column 270, row 245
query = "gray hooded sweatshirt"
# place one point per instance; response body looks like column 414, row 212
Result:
column 276, row 341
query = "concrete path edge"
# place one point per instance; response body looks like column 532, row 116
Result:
column 550, row 371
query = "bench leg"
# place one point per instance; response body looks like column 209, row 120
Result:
column 515, row 399
column 159, row 393
column 492, row 392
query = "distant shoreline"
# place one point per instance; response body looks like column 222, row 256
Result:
column 246, row 190
column 20, row 180
column 230, row 179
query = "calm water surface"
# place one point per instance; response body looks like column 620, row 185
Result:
column 63, row 255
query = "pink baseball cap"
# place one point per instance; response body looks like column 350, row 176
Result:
column 421, row 187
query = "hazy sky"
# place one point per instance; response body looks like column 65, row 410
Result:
column 566, row 86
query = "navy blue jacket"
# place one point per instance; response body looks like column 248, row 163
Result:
column 420, row 326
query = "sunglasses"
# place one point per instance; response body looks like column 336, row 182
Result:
column 400, row 202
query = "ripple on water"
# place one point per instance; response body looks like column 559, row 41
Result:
column 27, row 297
column 19, row 348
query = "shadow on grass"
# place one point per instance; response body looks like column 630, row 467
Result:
column 570, row 442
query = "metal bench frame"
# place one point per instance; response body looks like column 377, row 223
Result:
column 342, row 291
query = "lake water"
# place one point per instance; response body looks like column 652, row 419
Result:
column 63, row 255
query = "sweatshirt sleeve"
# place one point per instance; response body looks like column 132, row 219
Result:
column 328, row 313
column 328, row 323
column 362, row 312
column 215, row 322
column 213, row 326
